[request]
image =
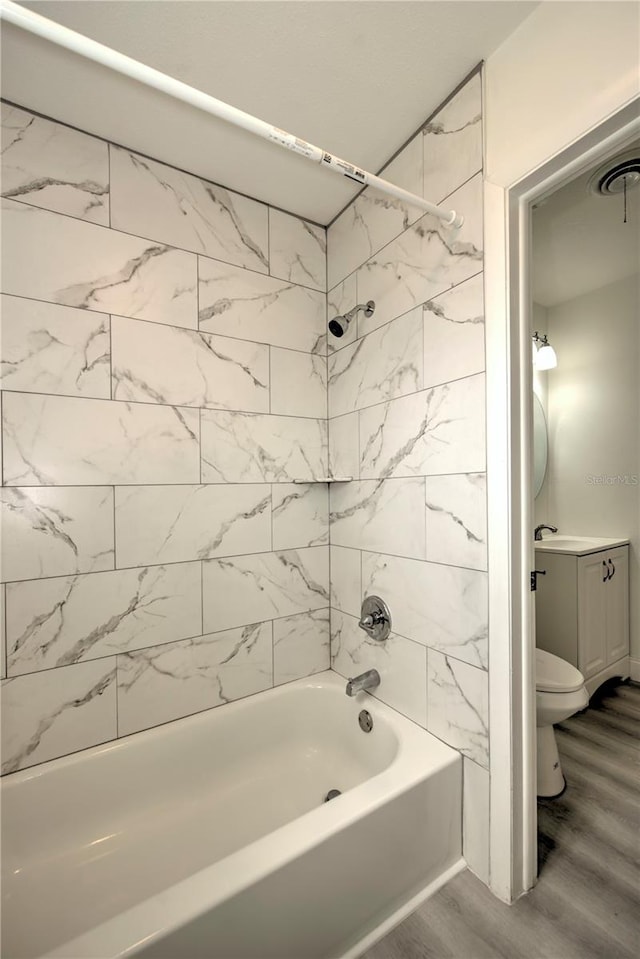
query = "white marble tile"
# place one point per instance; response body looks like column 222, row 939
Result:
column 52, row 166
column 346, row 579
column 402, row 665
column 300, row 515
column 3, row 646
column 240, row 303
column 340, row 300
column 249, row 589
column 439, row 606
column 172, row 524
column 297, row 250
column 453, row 142
column 245, row 448
column 344, row 453
column 425, row 260
column 475, row 818
column 378, row 515
column 457, row 519
column 440, row 430
column 385, row 364
column 57, row 711
column 57, row 440
column 61, row 621
column 62, row 260
column 300, row 646
column 46, row 348
column 375, row 218
column 166, row 682
column 52, row 531
column 298, row 383
column 158, row 201
column 178, row 367
column 458, row 705
column 454, row 333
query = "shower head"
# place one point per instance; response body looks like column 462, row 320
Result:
column 340, row 324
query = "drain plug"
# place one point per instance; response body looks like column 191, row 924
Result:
column 332, row 794
column 366, row 721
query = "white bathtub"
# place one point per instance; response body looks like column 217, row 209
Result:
column 209, row 837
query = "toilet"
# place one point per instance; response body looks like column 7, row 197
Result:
column 560, row 692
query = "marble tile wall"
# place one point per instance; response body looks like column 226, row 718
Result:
column 164, row 379
column 406, row 406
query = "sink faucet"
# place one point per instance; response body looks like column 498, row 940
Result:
column 538, row 533
column 368, row 680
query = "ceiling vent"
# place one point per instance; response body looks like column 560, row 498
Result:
column 611, row 178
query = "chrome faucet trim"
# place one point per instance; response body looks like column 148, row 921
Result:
column 368, row 680
column 375, row 618
column 538, row 533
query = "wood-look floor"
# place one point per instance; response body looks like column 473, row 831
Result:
column 586, row 904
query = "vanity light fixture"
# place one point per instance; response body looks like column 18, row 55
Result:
column 544, row 355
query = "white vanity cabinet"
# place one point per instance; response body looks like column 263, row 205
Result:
column 582, row 606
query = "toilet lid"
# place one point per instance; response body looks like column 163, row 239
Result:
column 555, row 675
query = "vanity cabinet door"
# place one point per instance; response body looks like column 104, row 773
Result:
column 592, row 614
column 617, row 604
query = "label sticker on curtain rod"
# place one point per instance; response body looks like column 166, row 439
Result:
column 341, row 166
column 293, row 143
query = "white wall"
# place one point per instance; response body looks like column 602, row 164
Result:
column 594, row 438
column 568, row 67
column 563, row 71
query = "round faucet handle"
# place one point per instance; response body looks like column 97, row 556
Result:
column 375, row 618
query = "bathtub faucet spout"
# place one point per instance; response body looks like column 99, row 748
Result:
column 368, row 680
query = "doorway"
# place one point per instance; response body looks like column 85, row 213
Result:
column 514, row 851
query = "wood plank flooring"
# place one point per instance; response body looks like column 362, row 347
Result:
column 586, row 904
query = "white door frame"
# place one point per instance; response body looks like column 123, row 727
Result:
column 513, row 817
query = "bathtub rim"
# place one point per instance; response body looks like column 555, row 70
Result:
column 125, row 933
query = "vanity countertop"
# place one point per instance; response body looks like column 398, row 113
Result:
column 578, row 545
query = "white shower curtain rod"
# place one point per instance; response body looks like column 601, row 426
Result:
column 56, row 33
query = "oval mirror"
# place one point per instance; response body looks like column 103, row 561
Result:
column 539, row 445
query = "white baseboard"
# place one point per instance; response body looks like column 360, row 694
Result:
column 634, row 670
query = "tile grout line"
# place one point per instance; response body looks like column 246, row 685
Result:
column 188, row 251
column 177, row 562
column 221, row 410
column 202, row 598
column 109, row 180
column 117, row 693
column 169, row 642
column 200, row 446
column 113, row 502
column 111, row 389
column 227, row 336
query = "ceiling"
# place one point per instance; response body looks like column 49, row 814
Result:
column 580, row 242
column 355, row 77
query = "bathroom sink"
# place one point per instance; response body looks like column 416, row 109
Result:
column 563, row 541
column 577, row 545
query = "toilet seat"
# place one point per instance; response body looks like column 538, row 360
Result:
column 555, row 675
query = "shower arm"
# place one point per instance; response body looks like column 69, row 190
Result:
column 92, row 50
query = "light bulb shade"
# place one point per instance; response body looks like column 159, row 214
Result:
column 546, row 358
